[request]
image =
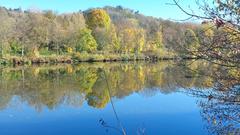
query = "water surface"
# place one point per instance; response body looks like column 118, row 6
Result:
column 149, row 98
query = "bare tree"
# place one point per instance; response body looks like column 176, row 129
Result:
column 224, row 17
column 5, row 29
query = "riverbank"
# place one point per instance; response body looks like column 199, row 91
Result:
column 77, row 58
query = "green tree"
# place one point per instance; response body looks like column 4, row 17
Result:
column 86, row 41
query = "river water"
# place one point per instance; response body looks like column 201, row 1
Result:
column 163, row 98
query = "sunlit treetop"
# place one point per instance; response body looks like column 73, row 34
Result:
column 97, row 18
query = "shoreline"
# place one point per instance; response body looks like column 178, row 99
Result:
column 71, row 60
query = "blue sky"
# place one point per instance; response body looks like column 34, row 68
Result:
column 156, row 8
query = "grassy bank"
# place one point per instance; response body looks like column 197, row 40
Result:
column 81, row 57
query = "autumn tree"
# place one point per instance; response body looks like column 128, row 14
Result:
column 155, row 40
column 191, row 42
column 85, row 41
column 6, row 30
column 38, row 33
column 224, row 16
column 99, row 21
column 132, row 37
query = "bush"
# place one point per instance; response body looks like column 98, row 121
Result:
column 3, row 62
column 86, row 57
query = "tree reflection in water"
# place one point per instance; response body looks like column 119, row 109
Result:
column 216, row 87
column 220, row 105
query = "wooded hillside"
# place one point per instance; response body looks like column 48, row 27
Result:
column 109, row 33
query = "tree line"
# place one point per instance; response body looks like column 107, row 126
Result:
column 94, row 34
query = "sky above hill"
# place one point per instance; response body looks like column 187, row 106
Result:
column 156, row 8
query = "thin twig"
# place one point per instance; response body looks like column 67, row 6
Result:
column 114, row 110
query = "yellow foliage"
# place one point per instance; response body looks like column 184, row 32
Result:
column 233, row 34
column 208, row 82
column 69, row 50
column 208, row 31
column 133, row 39
column 234, row 73
column 69, row 69
column 36, row 71
column 98, row 18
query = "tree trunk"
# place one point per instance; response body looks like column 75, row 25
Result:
column 57, row 49
column 1, row 50
column 23, row 50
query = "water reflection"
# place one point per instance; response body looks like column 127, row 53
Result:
column 216, row 88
